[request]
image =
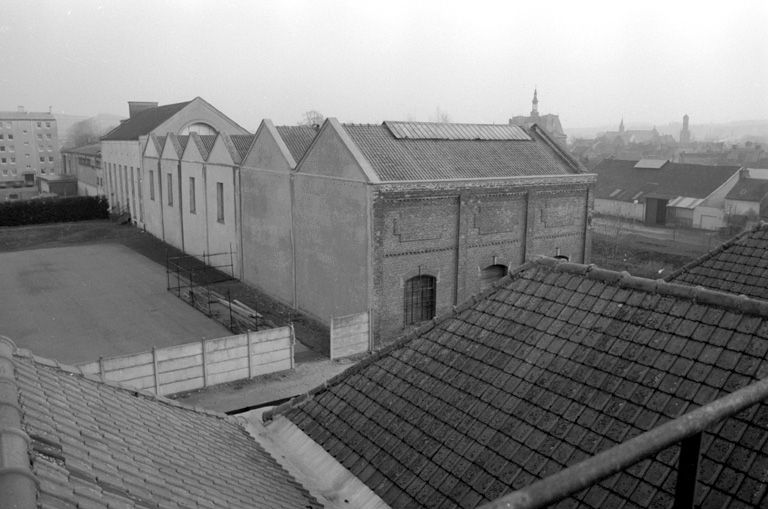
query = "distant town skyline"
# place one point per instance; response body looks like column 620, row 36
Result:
column 592, row 62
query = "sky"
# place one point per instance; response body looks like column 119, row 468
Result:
column 364, row 61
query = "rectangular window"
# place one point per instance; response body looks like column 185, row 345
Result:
column 47, row 124
column 50, row 159
column 220, row 202
column 10, row 136
column 170, row 190
column 191, row 195
column 42, row 159
column 151, row 185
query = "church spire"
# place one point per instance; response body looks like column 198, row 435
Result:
column 535, row 103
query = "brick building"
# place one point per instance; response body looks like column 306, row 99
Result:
column 29, row 145
column 405, row 219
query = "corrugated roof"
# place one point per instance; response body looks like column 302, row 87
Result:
column 556, row 363
column 242, row 143
column 446, row 131
column 396, row 159
column 669, row 182
column 98, row 445
column 297, row 138
column 93, row 149
column 684, row 202
column 143, row 122
column 748, row 189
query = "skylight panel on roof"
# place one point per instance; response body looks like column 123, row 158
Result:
column 436, row 131
column 651, row 164
column 617, row 191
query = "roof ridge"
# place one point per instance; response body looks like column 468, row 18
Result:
column 699, row 294
column 396, row 344
column 762, row 225
column 17, row 483
column 77, row 371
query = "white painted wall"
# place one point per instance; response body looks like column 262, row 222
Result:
column 635, row 211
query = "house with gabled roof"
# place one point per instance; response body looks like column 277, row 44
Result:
column 555, row 364
column 68, row 440
column 123, row 147
column 660, row 192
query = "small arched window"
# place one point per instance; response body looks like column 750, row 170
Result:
column 491, row 274
column 419, row 299
column 200, row 128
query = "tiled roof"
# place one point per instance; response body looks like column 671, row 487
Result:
column 739, row 266
column 93, row 444
column 556, row 363
column 297, row 138
column 242, row 143
column 396, row 159
column 748, row 189
column 618, row 179
column 143, row 122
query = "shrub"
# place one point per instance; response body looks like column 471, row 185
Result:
column 53, row 210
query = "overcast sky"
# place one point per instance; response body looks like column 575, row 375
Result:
column 368, row 61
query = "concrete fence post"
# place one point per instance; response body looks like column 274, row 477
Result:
column 370, row 330
column 154, row 370
column 205, row 368
column 293, row 345
column 101, row 367
column 330, row 341
column 250, row 361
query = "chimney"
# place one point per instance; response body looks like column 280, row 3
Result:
column 136, row 107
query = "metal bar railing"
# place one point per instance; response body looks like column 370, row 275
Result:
column 575, row 478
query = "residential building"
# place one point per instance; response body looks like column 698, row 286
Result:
column 556, row 363
column 550, row 122
column 123, row 147
column 74, row 441
column 84, row 163
column 401, row 219
column 660, row 192
column 29, row 147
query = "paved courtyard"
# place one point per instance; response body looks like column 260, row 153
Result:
column 74, row 304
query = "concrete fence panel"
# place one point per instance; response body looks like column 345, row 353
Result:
column 196, row 365
column 350, row 335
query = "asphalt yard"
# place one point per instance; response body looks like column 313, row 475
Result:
column 77, row 303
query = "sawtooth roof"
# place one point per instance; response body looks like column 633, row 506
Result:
column 143, row 122
column 619, row 180
column 748, row 189
column 97, row 444
column 396, row 158
column 738, row 266
column 297, row 138
column 557, row 362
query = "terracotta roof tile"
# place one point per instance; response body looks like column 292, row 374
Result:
column 476, row 408
column 94, row 444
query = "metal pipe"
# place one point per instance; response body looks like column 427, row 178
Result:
column 586, row 473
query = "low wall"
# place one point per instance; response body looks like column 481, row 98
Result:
column 196, row 365
column 350, row 335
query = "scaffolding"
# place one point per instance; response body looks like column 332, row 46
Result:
column 192, row 278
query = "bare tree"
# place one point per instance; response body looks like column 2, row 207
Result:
column 312, row 118
column 440, row 116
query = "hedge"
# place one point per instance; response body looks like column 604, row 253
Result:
column 53, row 210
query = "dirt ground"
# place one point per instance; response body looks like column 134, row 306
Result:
column 308, row 331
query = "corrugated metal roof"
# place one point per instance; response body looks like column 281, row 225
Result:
column 439, row 131
column 684, row 202
column 651, row 164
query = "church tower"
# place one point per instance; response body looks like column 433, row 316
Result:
column 621, row 125
column 685, row 134
column 535, row 103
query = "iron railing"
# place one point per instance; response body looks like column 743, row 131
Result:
column 686, row 429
